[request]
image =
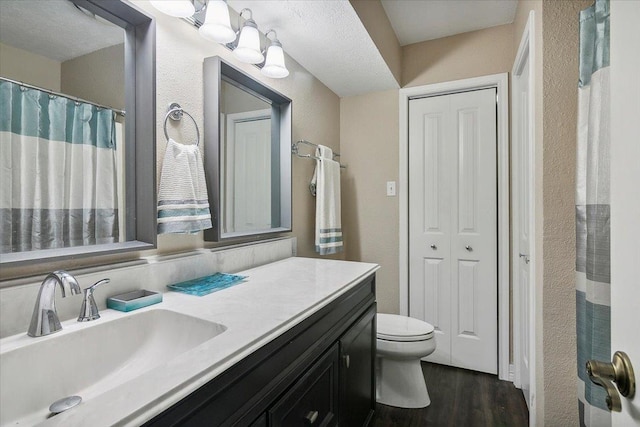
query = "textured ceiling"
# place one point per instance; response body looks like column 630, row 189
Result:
column 417, row 21
column 55, row 29
column 328, row 39
column 325, row 36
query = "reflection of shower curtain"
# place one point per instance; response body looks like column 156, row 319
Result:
column 593, row 306
column 57, row 172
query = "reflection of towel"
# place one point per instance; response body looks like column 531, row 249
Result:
column 183, row 204
column 328, row 223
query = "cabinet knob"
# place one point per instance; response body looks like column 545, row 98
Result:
column 346, row 360
column 433, row 246
column 469, row 248
column 311, row 417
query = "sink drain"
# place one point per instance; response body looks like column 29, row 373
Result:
column 64, row 404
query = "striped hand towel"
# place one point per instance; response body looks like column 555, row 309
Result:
column 183, row 204
column 328, row 222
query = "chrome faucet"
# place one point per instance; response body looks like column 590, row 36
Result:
column 44, row 320
column 89, row 310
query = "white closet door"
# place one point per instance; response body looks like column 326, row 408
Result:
column 453, row 225
column 430, row 200
column 522, row 194
column 249, row 153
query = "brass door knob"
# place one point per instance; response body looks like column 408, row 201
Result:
column 620, row 372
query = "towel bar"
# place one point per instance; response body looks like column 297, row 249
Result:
column 295, row 150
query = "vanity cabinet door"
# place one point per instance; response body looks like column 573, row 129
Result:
column 357, row 374
column 313, row 400
column 261, row 421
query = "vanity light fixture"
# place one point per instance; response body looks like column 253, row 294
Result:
column 212, row 18
column 248, row 49
column 217, row 23
column 274, row 66
column 177, row 8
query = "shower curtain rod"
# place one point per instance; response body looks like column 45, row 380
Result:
column 51, row 92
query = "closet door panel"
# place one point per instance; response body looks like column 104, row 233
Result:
column 430, row 218
column 474, row 247
column 453, row 225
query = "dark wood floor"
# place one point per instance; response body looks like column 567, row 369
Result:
column 460, row 398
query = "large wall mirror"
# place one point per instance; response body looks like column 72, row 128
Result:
column 77, row 129
column 247, row 154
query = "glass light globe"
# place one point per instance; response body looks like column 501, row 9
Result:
column 248, row 49
column 177, row 8
column 217, row 24
column 274, row 66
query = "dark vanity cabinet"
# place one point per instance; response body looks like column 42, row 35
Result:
column 319, row 373
column 314, row 399
column 357, row 383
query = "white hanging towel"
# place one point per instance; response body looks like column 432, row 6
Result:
column 326, row 180
column 183, row 204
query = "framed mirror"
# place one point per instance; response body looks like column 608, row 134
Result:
column 77, row 130
column 247, row 154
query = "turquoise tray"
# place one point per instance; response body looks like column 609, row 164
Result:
column 133, row 300
column 208, row 284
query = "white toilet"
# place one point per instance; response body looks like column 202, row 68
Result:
column 402, row 341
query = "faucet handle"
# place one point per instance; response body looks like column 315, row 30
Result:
column 91, row 288
column 89, row 310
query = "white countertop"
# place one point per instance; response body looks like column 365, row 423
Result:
column 274, row 298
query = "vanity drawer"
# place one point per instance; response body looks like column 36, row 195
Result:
column 313, row 400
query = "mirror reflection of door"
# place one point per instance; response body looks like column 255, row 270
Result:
column 246, row 160
column 248, row 175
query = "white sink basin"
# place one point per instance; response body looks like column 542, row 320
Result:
column 88, row 359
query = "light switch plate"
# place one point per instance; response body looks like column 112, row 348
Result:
column 391, row 188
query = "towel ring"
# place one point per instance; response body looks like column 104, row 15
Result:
column 175, row 113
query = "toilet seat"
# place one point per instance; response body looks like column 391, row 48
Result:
column 392, row 327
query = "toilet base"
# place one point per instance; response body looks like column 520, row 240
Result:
column 401, row 383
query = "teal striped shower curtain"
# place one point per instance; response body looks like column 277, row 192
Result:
column 593, row 307
column 57, row 171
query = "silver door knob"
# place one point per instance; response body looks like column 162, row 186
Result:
column 620, row 372
column 469, row 248
column 433, row 246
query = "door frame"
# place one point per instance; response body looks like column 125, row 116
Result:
column 501, row 83
column 526, row 52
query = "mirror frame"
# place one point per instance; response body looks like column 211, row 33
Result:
column 140, row 128
column 215, row 71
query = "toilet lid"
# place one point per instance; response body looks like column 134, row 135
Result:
column 393, row 327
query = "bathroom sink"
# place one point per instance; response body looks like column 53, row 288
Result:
column 88, row 359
